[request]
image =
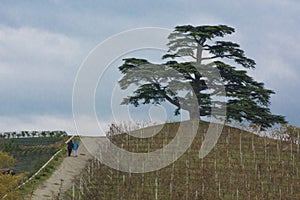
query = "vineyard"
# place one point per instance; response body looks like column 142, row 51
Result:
column 241, row 166
column 31, row 152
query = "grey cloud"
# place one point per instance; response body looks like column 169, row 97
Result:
column 43, row 43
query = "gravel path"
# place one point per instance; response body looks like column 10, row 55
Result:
column 63, row 176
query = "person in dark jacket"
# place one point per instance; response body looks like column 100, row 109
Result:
column 70, row 147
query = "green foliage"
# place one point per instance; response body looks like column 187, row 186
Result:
column 29, row 134
column 180, row 82
column 8, row 182
column 39, row 141
column 6, row 161
column 31, row 153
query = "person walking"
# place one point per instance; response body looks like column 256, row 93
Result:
column 70, row 147
column 75, row 147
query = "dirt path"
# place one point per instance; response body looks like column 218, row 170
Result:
column 68, row 169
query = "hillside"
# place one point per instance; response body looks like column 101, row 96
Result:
column 31, row 152
column 241, row 166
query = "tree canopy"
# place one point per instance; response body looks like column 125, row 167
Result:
column 188, row 73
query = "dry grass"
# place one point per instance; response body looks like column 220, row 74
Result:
column 241, row 166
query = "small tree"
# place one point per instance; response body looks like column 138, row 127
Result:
column 27, row 133
column 34, row 133
column 13, row 134
column 51, row 133
column 7, row 135
column 43, row 133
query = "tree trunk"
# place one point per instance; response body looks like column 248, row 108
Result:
column 194, row 115
column 199, row 53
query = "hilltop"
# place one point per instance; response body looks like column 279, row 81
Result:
column 241, row 166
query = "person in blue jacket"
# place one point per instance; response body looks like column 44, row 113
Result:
column 75, row 147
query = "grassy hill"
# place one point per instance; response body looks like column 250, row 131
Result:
column 241, row 166
column 31, row 152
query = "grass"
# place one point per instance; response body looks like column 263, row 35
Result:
column 27, row 189
column 36, row 141
column 31, row 154
column 241, row 166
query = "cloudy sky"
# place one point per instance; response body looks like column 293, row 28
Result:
column 43, row 43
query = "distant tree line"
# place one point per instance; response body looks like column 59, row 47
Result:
column 24, row 134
